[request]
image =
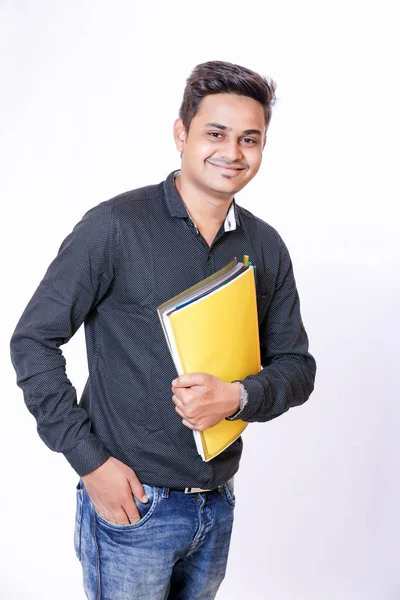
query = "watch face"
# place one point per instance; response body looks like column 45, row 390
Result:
column 242, row 396
column 242, row 402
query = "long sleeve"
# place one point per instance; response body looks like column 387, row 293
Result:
column 74, row 284
column 288, row 373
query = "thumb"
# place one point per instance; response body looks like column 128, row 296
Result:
column 137, row 488
column 189, row 380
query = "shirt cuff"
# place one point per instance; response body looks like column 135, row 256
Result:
column 255, row 396
column 87, row 456
column 243, row 402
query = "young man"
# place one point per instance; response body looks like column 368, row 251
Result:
column 153, row 520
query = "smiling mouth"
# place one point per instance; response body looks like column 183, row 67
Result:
column 233, row 169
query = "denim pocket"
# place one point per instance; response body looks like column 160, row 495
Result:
column 78, row 520
column 229, row 489
column 145, row 510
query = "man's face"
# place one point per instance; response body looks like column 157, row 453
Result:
column 222, row 151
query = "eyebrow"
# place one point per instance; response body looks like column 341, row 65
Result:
column 225, row 128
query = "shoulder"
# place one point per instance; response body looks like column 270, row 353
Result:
column 134, row 199
column 127, row 204
column 259, row 229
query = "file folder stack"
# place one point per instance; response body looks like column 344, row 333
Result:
column 213, row 328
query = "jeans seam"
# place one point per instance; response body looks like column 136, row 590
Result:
column 94, row 535
column 199, row 535
column 78, row 524
column 229, row 496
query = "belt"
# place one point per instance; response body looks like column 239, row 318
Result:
column 194, row 490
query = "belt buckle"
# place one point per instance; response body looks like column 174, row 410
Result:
column 194, row 490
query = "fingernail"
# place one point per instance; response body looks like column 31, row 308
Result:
column 132, row 521
column 144, row 499
column 174, row 382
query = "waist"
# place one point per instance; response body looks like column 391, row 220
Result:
column 197, row 490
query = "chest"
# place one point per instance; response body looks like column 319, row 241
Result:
column 156, row 263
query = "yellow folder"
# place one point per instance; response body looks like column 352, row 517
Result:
column 217, row 334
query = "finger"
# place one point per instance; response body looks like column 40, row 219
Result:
column 134, row 518
column 131, row 510
column 184, row 395
column 180, row 412
column 180, row 393
column 187, row 412
column 106, row 514
column 189, row 380
column 137, row 489
column 177, row 401
column 185, row 420
column 188, row 424
column 132, row 513
column 121, row 515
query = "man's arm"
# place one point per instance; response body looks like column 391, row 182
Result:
column 287, row 376
column 75, row 282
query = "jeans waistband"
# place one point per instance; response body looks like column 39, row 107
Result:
column 197, row 490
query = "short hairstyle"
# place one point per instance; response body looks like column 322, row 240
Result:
column 217, row 77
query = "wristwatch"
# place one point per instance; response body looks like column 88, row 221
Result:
column 243, row 399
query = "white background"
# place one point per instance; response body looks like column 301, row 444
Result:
column 89, row 93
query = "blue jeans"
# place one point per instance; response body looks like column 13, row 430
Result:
column 177, row 551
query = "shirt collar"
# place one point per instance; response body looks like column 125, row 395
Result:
column 177, row 208
column 230, row 219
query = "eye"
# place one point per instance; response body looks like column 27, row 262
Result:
column 215, row 134
column 249, row 141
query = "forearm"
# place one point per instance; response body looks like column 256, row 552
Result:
column 286, row 382
column 51, row 398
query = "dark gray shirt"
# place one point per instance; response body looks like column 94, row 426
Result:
column 123, row 259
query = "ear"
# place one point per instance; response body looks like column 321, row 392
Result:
column 179, row 135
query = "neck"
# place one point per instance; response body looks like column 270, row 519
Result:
column 207, row 212
column 205, row 209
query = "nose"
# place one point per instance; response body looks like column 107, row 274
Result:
column 231, row 151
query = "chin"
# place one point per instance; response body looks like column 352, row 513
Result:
column 230, row 187
column 231, row 191
column 226, row 186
